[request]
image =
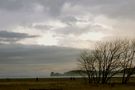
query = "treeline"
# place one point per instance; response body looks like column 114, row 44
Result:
column 108, row 59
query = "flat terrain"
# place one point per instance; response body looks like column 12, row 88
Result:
column 61, row 84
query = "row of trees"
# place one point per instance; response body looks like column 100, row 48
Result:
column 108, row 59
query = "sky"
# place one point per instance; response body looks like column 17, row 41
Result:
column 41, row 36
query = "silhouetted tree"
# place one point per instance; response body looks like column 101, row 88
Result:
column 107, row 55
column 87, row 63
column 108, row 59
column 128, row 63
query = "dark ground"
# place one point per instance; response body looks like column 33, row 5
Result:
column 62, row 84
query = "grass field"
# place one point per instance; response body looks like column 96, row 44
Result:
column 61, row 84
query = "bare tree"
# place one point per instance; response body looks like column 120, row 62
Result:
column 128, row 63
column 108, row 56
column 102, row 63
column 87, row 63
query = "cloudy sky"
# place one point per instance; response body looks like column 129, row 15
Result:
column 40, row 36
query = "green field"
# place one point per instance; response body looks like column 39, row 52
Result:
column 61, row 84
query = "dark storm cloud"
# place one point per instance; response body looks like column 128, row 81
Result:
column 28, row 54
column 6, row 36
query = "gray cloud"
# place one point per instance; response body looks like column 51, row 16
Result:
column 23, row 12
column 119, row 9
column 6, row 34
column 34, row 60
column 28, row 54
column 42, row 27
column 12, row 37
column 70, row 20
column 74, row 29
column 113, row 8
column 15, row 5
column 54, row 6
column 14, row 12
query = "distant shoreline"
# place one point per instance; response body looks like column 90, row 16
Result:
column 117, row 76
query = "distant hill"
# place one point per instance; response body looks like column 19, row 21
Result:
column 69, row 73
column 55, row 74
column 74, row 73
column 82, row 73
